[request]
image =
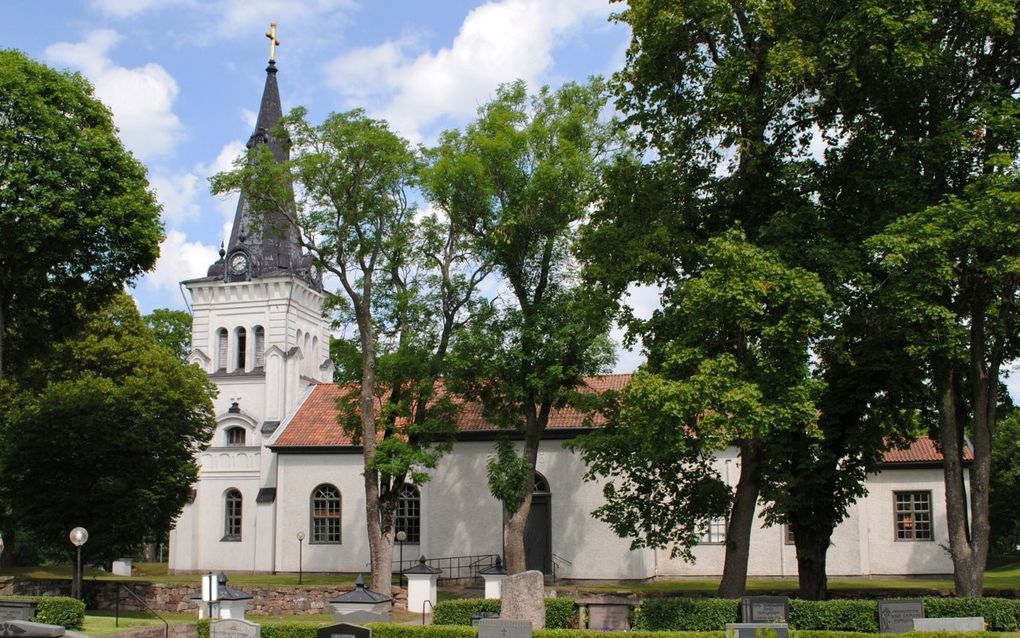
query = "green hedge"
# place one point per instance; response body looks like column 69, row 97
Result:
column 60, row 610
column 712, row 614
column 686, row 614
column 1000, row 614
column 834, row 615
column 560, row 613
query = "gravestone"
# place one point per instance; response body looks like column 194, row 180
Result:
column 757, row 630
column 234, row 629
column 17, row 609
column 344, row 630
column 523, row 598
column 896, row 616
column 764, row 609
column 969, row 623
column 25, row 629
column 607, row 613
column 501, row 628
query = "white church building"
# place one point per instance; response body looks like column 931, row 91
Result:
column 279, row 468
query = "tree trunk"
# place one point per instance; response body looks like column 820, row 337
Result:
column 738, row 532
column 513, row 532
column 811, row 556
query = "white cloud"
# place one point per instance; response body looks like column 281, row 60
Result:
column 177, row 194
column 239, row 17
column 249, row 117
column 141, row 98
column 225, row 204
column 180, row 260
column 498, row 42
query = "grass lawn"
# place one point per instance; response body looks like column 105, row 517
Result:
column 103, row 623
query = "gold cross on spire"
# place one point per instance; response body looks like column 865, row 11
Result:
column 273, row 42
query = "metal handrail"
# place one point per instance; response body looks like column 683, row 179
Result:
column 116, row 621
column 431, row 608
column 453, row 567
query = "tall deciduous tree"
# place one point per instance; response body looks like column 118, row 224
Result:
column 77, row 220
column 405, row 283
column 102, row 433
column 954, row 273
column 172, row 329
column 728, row 364
column 520, row 179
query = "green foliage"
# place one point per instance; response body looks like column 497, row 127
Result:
column 390, row 630
column 1000, row 614
column 77, row 221
column 172, row 330
column 560, row 613
column 508, row 475
column 834, row 615
column 1004, row 506
column 460, row 610
column 105, row 396
column 60, row 610
column 686, row 614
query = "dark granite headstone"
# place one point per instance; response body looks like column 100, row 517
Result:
column 17, row 609
column 344, row 630
column 764, row 609
column 757, row 630
column 896, row 616
column 25, row 629
column 234, row 628
column 502, row 628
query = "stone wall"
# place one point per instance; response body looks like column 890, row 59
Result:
column 159, row 631
column 266, row 601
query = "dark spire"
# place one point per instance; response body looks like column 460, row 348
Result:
column 265, row 243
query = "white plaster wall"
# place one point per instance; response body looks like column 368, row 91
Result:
column 890, row 556
column 297, row 476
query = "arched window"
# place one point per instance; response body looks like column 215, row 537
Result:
column 232, row 515
column 242, row 347
column 221, row 349
column 260, row 347
column 409, row 512
column 325, row 514
column 235, row 436
column 541, row 484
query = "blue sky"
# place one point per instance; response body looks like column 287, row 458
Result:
column 183, row 79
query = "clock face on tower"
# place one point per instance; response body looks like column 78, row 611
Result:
column 239, row 264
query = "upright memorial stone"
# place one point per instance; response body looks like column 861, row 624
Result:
column 896, row 616
column 764, row 609
column 234, row 629
column 502, row 628
column 344, row 630
column 523, row 598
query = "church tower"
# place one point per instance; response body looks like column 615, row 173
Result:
column 258, row 332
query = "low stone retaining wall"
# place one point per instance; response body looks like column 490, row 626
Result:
column 159, row 631
column 266, row 601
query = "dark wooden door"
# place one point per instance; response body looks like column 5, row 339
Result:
column 538, row 531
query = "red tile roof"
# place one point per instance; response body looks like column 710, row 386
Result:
column 314, row 423
column 922, row 450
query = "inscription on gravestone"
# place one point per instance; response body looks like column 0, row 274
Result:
column 344, row 630
column 897, row 616
column 501, row 628
column 767, row 609
column 234, row 629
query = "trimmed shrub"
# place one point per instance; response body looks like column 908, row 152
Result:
column 1000, row 614
column 686, row 614
column 560, row 613
column 60, row 610
column 834, row 615
column 391, row 630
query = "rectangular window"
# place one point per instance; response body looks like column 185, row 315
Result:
column 715, row 534
column 913, row 516
column 788, row 535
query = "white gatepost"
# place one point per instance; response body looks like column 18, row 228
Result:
column 421, row 587
column 493, row 577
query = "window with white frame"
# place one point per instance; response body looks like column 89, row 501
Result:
column 232, row 515
column 715, row 534
column 409, row 512
column 326, row 514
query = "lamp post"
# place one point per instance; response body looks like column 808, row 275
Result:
column 401, row 537
column 300, row 544
column 79, row 536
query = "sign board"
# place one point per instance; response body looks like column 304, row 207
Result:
column 234, row 629
column 896, row 615
column 503, row 628
column 210, row 588
column 344, row 630
column 764, row 609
